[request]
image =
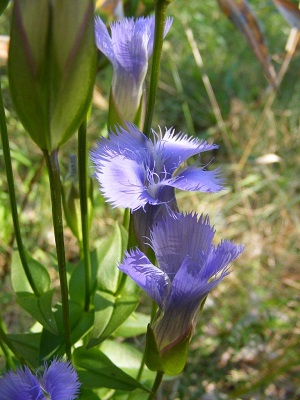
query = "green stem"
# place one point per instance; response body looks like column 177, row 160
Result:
column 83, row 192
column 7, row 346
column 160, row 19
column 156, row 384
column 12, row 195
column 56, row 200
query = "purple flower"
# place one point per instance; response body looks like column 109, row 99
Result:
column 128, row 49
column 190, row 266
column 58, row 382
column 135, row 172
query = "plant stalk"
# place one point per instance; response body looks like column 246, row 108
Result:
column 56, row 200
column 12, row 194
column 83, row 193
column 156, row 384
column 160, row 19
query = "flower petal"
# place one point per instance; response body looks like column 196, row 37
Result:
column 60, row 381
column 172, row 149
column 197, row 179
column 20, row 385
column 175, row 237
column 103, row 40
column 219, row 258
column 150, row 278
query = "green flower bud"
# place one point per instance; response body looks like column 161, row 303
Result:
column 170, row 360
column 51, row 67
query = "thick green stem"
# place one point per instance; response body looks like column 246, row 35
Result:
column 160, row 19
column 12, row 195
column 83, row 192
column 156, row 384
column 56, row 196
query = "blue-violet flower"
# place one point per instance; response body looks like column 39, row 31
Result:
column 190, row 266
column 59, row 381
column 137, row 173
column 128, row 49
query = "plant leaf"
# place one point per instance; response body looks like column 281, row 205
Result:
column 81, row 323
column 109, row 254
column 289, row 11
column 39, row 308
column 243, row 17
column 123, row 306
column 28, row 345
column 96, row 370
column 135, row 325
column 39, row 273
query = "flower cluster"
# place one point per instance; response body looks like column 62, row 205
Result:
column 142, row 174
column 59, row 381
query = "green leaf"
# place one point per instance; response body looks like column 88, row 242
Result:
column 109, row 254
column 96, row 370
column 127, row 357
column 104, row 306
column 76, row 286
column 135, row 325
column 81, row 323
column 40, row 308
column 39, row 273
column 123, row 306
column 28, row 345
column 3, row 5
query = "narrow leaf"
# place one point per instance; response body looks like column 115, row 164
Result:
column 135, row 325
column 289, row 11
column 243, row 17
column 98, row 371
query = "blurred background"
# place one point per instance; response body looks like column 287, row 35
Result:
column 213, row 86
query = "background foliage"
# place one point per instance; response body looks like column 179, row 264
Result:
column 247, row 344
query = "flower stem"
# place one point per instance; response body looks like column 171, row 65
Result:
column 156, row 384
column 160, row 19
column 56, row 200
column 83, row 193
column 12, row 195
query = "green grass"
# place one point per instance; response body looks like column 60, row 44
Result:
column 247, row 340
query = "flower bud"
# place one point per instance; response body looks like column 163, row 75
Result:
column 51, row 67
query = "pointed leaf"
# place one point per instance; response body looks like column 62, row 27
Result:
column 110, row 253
column 28, row 345
column 289, row 11
column 242, row 16
column 125, row 303
column 40, row 308
column 77, row 287
column 39, row 273
column 81, row 323
column 104, row 306
column 99, row 371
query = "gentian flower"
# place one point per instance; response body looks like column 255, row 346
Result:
column 59, row 381
column 128, row 49
column 190, row 266
column 137, row 173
